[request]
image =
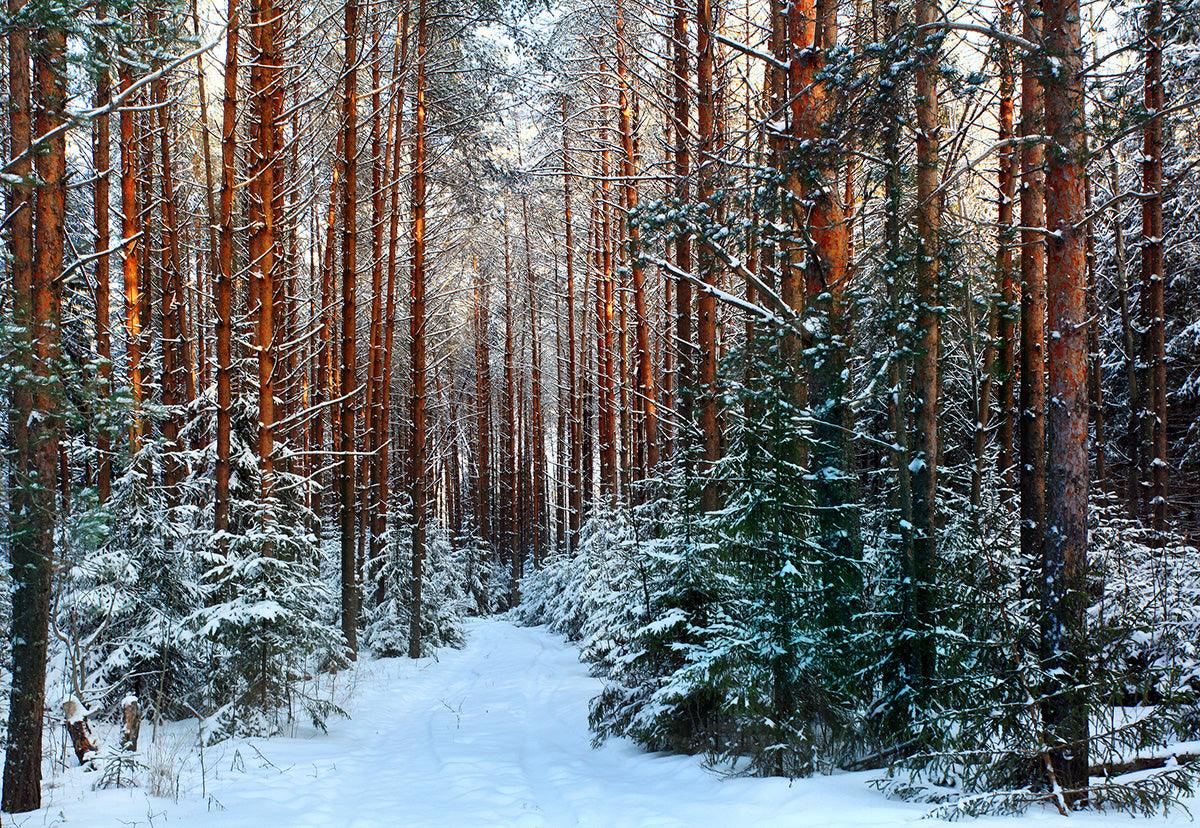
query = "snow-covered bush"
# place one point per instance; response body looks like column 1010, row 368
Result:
column 130, row 590
column 446, row 597
column 977, row 745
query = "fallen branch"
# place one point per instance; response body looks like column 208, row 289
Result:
column 1142, row 763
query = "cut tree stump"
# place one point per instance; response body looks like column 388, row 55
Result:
column 131, row 717
column 83, row 741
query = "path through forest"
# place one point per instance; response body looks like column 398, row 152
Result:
column 494, row 734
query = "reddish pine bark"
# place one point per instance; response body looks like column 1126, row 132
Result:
column 266, row 93
column 707, row 303
column 926, row 376
column 36, row 468
column 224, row 286
column 131, row 229
column 345, row 437
column 171, row 311
column 1008, row 288
column 1033, row 302
column 383, row 457
column 101, row 146
column 608, row 379
column 1153, row 274
column 374, row 407
column 509, row 495
column 1000, row 353
column 684, row 346
column 417, row 312
column 574, row 479
column 483, row 409
column 646, row 403
column 1065, row 599
column 208, row 268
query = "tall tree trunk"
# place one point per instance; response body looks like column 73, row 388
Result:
column 999, row 353
column 36, row 245
column 375, row 379
column 483, row 409
column 101, row 149
column 1033, row 299
column 509, row 495
column 926, row 378
column 1153, row 274
column 1095, row 354
column 212, row 221
column 608, row 414
column 826, row 275
column 685, row 356
column 224, row 297
column 1008, row 310
column 134, row 245
column 537, row 423
column 349, row 379
column 326, row 392
column 575, row 464
column 1129, row 345
column 898, row 376
column 417, row 310
column 169, row 286
column 587, row 383
column 1064, row 557
column 263, row 201
column 383, row 458
column 707, row 303
column 646, row 403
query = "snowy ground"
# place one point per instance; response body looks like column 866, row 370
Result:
column 494, row 734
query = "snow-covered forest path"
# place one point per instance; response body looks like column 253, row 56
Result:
column 494, row 734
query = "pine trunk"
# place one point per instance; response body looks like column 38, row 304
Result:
column 349, row 378
column 1065, row 599
column 1153, row 274
column 224, row 293
column 926, row 378
column 417, row 310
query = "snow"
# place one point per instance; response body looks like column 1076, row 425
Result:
column 493, row 734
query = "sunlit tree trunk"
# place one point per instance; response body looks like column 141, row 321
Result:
column 926, row 377
column 575, row 449
column 417, row 313
column 1000, row 353
column 1033, row 301
column 483, row 408
column 1095, row 354
column 35, row 262
column 1154, row 419
column 349, row 378
column 170, row 288
column 101, row 148
column 133, row 245
column 707, row 303
column 608, row 401
column 383, row 465
column 208, row 267
column 374, row 437
column 509, row 495
column 265, row 87
column 537, row 425
column 685, row 356
column 224, row 286
column 646, row 403
column 1065, row 598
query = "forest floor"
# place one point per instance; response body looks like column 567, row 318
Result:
column 494, row 734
